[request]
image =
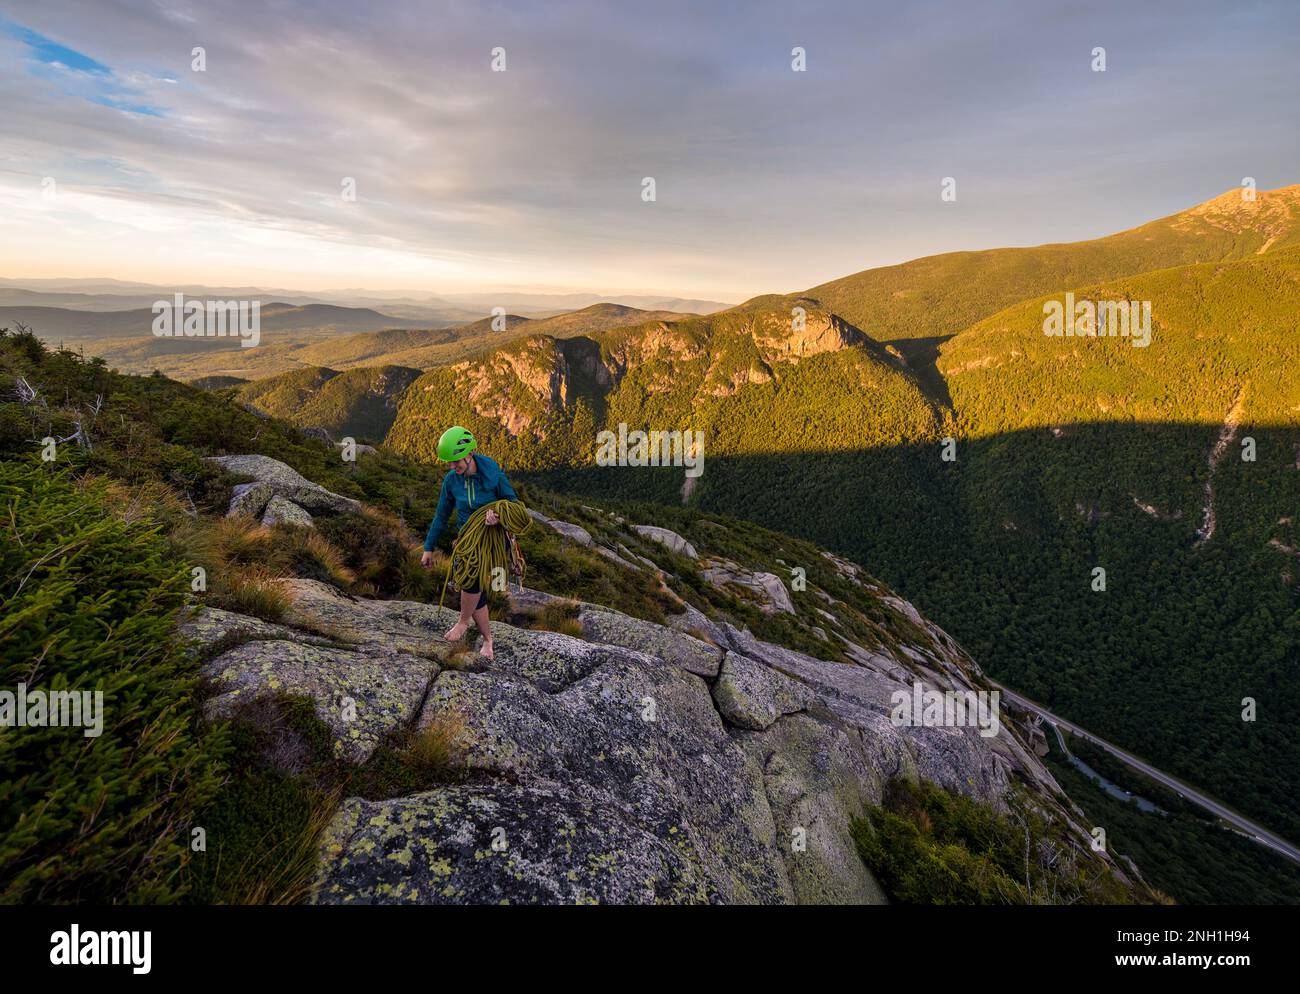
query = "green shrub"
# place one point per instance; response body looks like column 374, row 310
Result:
column 88, row 602
column 926, row 846
column 420, row 584
column 263, row 829
column 15, row 430
column 375, row 546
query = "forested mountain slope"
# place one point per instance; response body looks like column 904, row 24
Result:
column 942, row 294
column 359, row 402
column 744, row 376
column 1217, row 330
column 772, row 705
column 1071, row 454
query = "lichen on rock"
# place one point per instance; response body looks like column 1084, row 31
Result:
column 637, row 763
column 362, row 694
column 284, row 481
column 690, row 653
column 751, row 695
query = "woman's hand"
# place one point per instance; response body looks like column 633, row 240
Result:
column 492, row 518
column 426, row 560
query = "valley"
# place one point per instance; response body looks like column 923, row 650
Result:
column 824, row 413
column 1063, row 444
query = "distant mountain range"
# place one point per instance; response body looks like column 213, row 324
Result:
column 54, row 323
column 118, row 319
column 365, row 404
column 294, row 338
column 441, row 309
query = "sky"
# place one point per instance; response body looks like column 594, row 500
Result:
column 119, row 159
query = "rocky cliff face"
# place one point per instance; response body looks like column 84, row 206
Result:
column 804, row 330
column 517, row 384
column 513, row 385
column 627, row 761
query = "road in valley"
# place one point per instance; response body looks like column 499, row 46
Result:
column 1253, row 830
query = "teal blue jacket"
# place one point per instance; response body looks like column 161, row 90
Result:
column 466, row 494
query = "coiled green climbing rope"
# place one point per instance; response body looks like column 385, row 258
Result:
column 482, row 548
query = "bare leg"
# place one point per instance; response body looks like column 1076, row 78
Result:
column 458, row 630
column 481, row 619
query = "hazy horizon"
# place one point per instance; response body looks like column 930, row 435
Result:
column 119, row 161
column 453, row 293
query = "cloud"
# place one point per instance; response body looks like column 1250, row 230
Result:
column 77, row 74
column 767, row 179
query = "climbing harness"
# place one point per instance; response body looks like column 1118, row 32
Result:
column 481, row 549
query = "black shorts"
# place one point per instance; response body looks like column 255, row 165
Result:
column 474, row 588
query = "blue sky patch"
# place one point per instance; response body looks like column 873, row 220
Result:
column 76, row 73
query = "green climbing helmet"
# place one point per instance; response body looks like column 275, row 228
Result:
column 456, row 443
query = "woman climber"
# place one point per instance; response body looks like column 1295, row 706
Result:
column 488, row 513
